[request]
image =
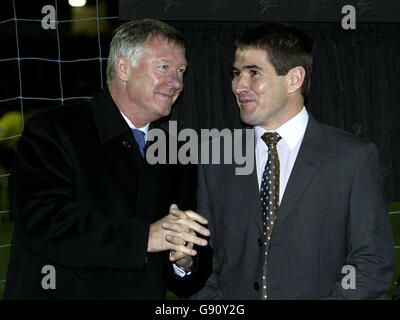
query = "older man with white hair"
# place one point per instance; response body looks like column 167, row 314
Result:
column 94, row 220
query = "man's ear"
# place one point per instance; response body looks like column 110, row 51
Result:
column 122, row 68
column 295, row 78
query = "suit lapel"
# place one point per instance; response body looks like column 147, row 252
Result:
column 306, row 166
column 109, row 121
column 119, row 148
column 248, row 189
column 250, row 194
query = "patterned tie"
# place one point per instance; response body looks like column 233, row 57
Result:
column 269, row 194
column 139, row 137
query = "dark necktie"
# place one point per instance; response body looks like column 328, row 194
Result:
column 269, row 195
column 139, row 137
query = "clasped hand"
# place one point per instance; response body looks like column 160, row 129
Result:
column 178, row 232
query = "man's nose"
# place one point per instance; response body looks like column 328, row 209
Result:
column 240, row 85
column 175, row 80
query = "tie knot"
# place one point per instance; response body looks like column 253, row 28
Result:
column 138, row 134
column 271, row 138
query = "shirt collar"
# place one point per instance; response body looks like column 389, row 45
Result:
column 291, row 131
column 144, row 129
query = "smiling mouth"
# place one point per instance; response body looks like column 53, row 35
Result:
column 246, row 101
column 166, row 96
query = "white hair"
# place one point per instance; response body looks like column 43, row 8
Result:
column 130, row 38
column 122, row 46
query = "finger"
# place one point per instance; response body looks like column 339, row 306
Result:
column 176, row 240
column 176, row 212
column 190, row 245
column 189, row 238
column 173, row 207
column 179, row 241
column 175, row 226
column 186, row 262
column 183, row 250
column 192, row 225
column 175, row 256
column 195, row 216
column 185, row 225
column 188, row 213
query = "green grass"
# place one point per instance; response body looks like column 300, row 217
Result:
column 7, row 228
column 6, row 231
column 395, row 223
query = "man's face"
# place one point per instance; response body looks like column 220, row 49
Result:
column 260, row 93
column 157, row 80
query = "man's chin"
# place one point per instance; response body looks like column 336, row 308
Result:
column 165, row 110
column 248, row 118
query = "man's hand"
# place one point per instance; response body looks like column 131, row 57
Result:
column 179, row 257
column 177, row 232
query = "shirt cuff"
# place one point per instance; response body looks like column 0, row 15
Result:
column 180, row 271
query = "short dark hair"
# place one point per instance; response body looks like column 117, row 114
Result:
column 287, row 47
column 129, row 38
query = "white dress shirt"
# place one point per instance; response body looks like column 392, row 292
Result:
column 144, row 129
column 292, row 133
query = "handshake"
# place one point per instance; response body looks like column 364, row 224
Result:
column 177, row 232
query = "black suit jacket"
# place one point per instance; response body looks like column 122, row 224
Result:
column 332, row 214
column 83, row 199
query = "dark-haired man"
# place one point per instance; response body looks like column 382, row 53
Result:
column 93, row 219
column 310, row 222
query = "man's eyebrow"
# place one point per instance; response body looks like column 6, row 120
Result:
column 251, row 66
column 185, row 63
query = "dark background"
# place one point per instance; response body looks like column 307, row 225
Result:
column 259, row 10
column 355, row 82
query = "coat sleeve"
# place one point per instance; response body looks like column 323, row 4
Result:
column 369, row 237
column 48, row 219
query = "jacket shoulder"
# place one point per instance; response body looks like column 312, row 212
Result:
column 335, row 136
column 71, row 116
